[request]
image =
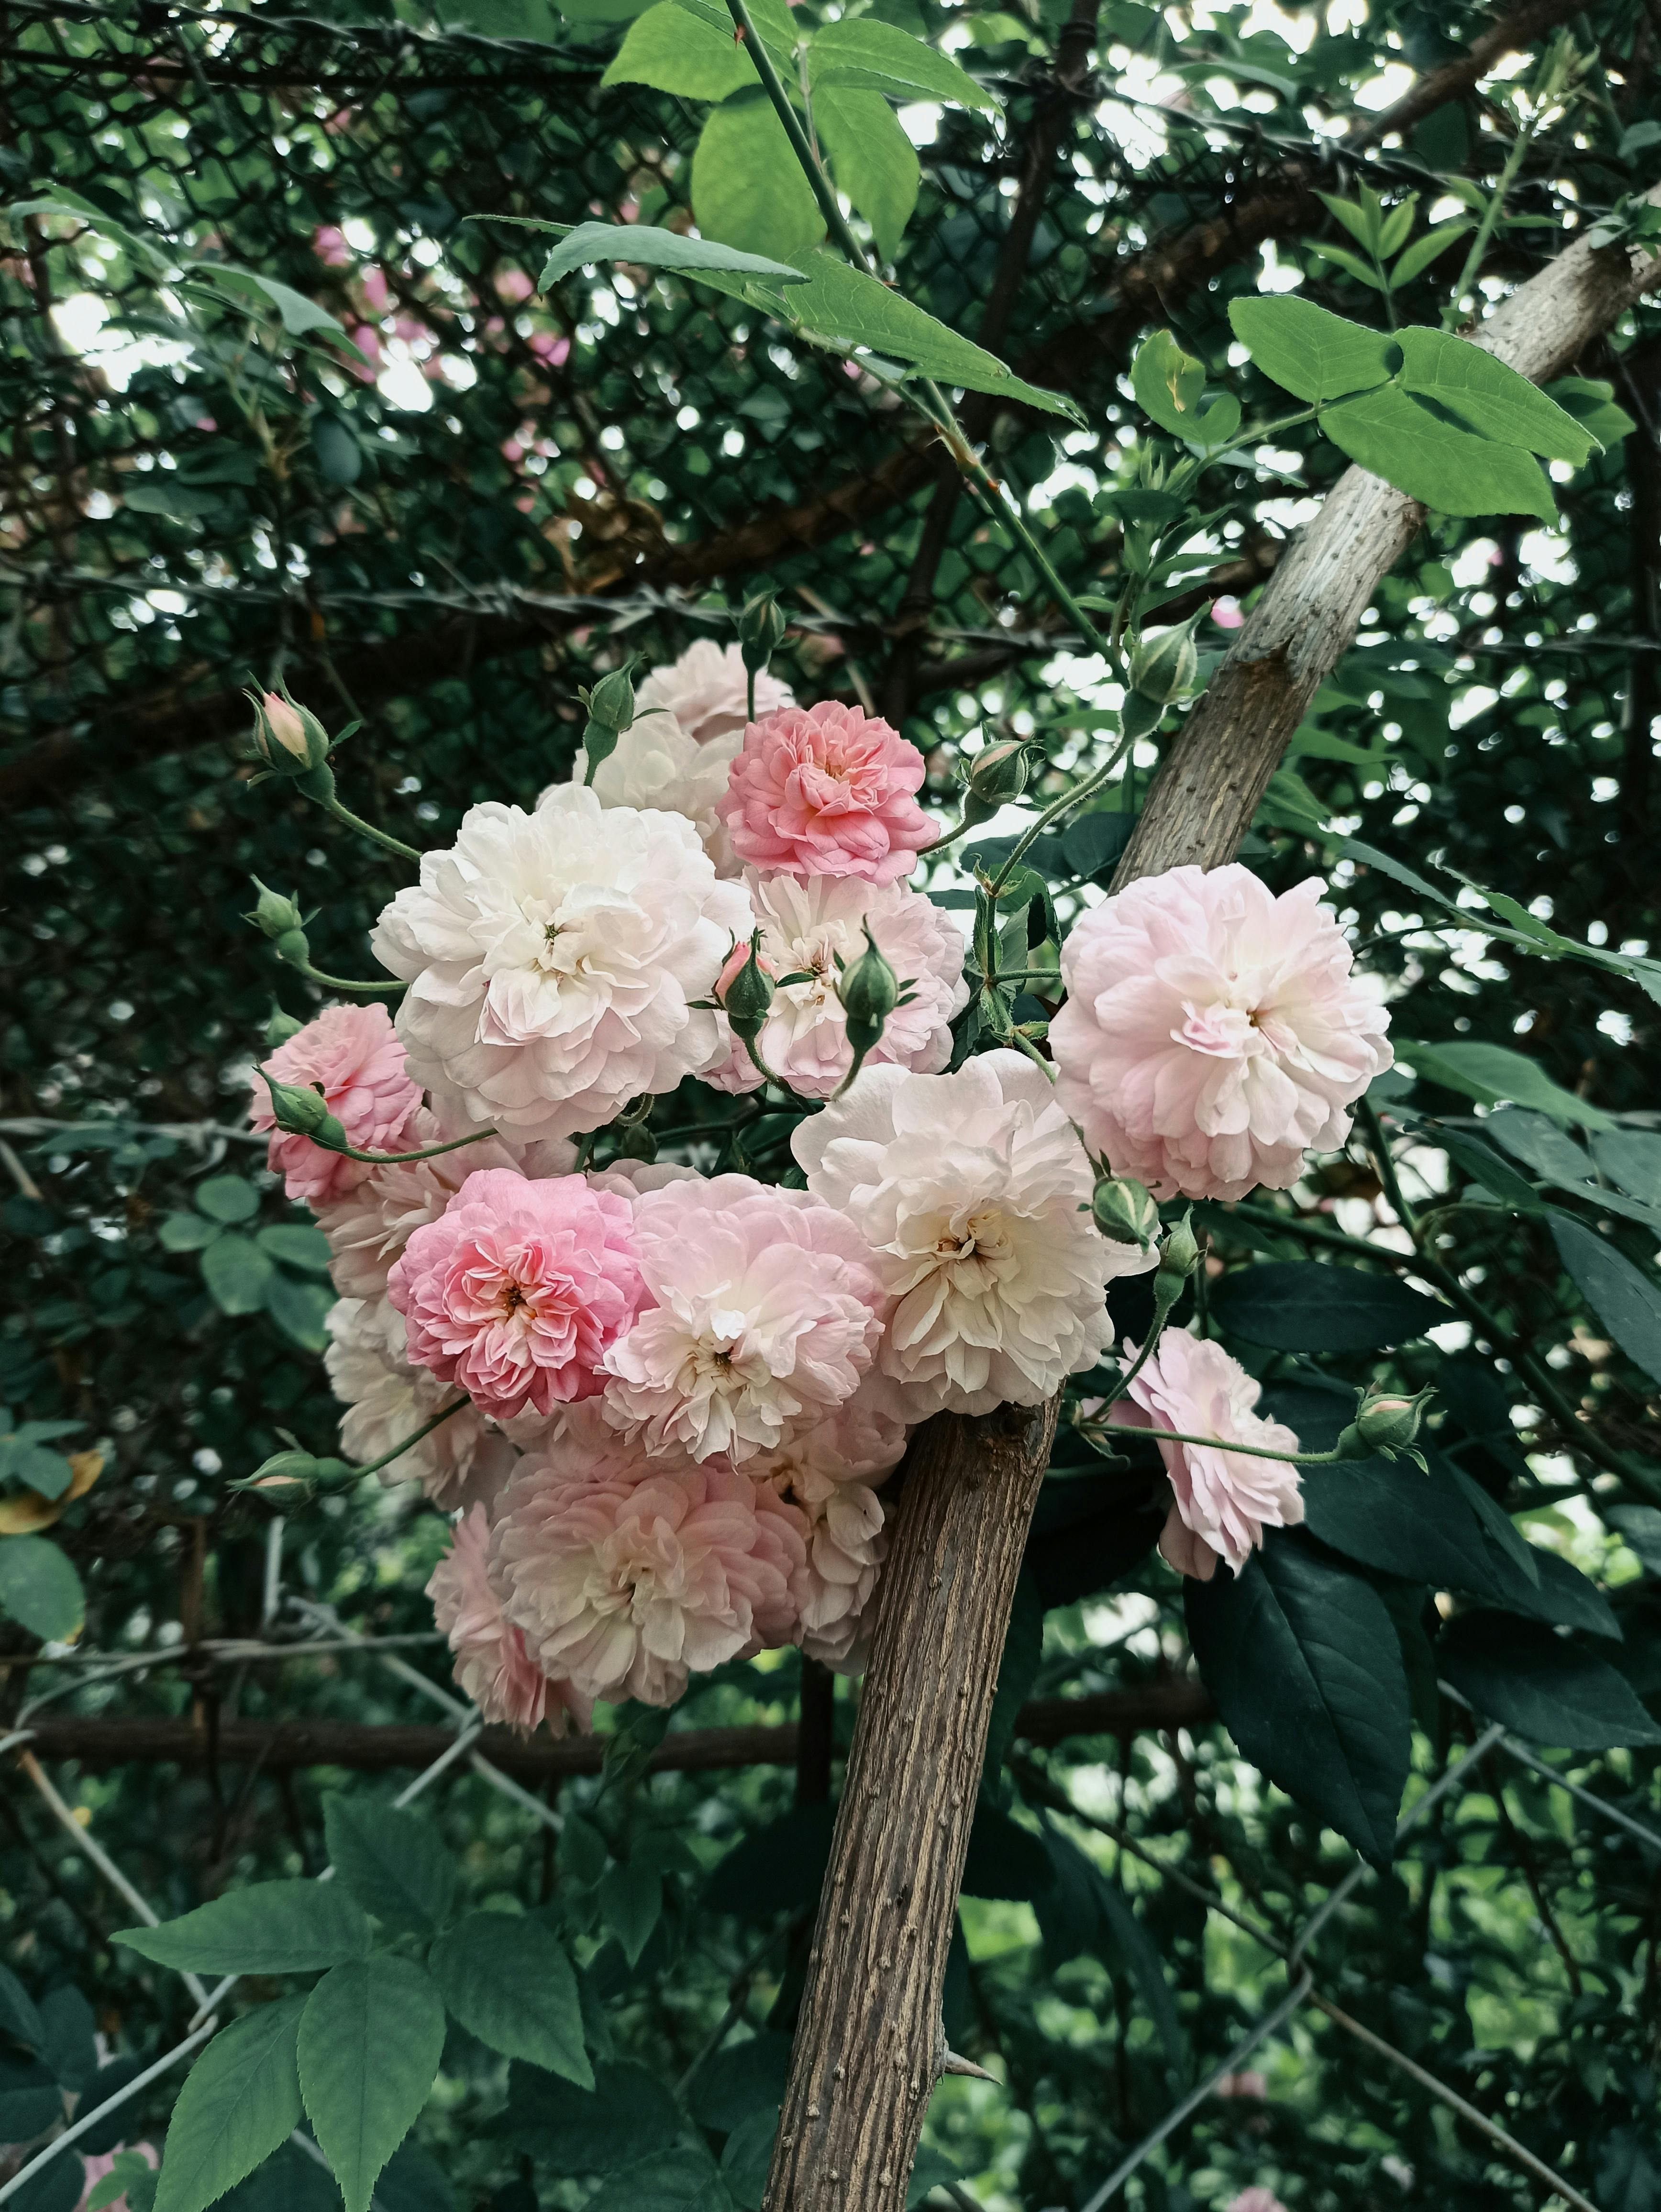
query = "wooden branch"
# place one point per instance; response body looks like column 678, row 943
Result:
column 278, row 1747
column 1210, row 784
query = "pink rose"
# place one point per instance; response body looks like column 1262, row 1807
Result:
column 517, row 1290
column 492, row 1665
column 352, row 1054
column 823, row 791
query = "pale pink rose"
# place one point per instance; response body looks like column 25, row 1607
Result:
column 518, row 1288
column 329, row 244
column 762, row 1311
column 492, row 1665
column 367, row 339
column 628, row 1574
column 387, row 1399
column 844, row 1519
column 1243, row 2085
column 707, row 691
column 1256, row 2200
column 806, row 922
column 352, row 1054
column 1213, row 1033
column 1223, row 1499
column 99, row 2165
column 514, row 285
column 822, row 791
column 549, row 347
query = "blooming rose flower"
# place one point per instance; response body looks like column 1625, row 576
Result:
column 370, row 1225
column 353, row 1056
column 706, row 692
column 552, row 958
column 763, row 1311
column 845, row 1540
column 656, row 764
column 1223, row 1499
column 627, row 1574
column 517, row 1289
column 968, row 1189
column 821, row 791
column 387, row 1399
column 805, row 921
column 492, row 1665
column 1212, row 1033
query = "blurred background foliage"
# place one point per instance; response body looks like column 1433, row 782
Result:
column 501, row 496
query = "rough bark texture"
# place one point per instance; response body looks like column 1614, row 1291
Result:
column 869, row 2042
column 1211, row 782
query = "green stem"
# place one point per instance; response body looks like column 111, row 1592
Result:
column 373, row 1466
column 1026, row 1045
column 367, row 830
column 835, row 221
column 402, row 1159
column 345, row 982
column 1479, row 245
column 1162, row 1306
column 1125, row 1433
column 1057, row 807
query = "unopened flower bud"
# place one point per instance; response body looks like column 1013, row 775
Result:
column 280, row 1028
column 761, row 631
column 997, row 776
column 748, row 997
column 1165, row 667
column 288, row 1478
column 611, row 701
column 294, row 946
column 1178, row 1257
column 272, row 912
column 869, row 991
column 635, row 1142
column 1125, row 1212
column 289, row 737
column 1388, row 1422
column 302, row 1112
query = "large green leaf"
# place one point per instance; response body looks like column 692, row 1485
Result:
column 1081, row 1910
column 739, row 2080
column 239, row 2101
column 1314, row 355
column 748, row 191
column 1631, row 1157
column 508, row 1981
column 30, row 2100
column 237, row 1273
column 392, row 1861
column 774, row 25
column 371, row 2038
column 1303, row 1305
column 868, row 55
column 871, row 159
column 1490, row 1072
column 1489, row 396
column 591, row 243
column 19, row 2016
column 1539, row 1144
column 1534, row 1681
column 1449, row 469
column 673, row 51
column 272, row 1927
column 631, row 1905
column 1389, row 1515
column 628, row 2114
column 1167, row 383
column 671, row 2181
column 1303, row 1660
column 39, row 1589
column 1626, row 1301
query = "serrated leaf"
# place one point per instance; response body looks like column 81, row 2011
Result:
column 593, row 243
column 1490, row 1072
column 775, row 27
column 869, row 55
column 509, row 1982
column 271, row 1928
column 371, row 2038
column 1167, row 383
column 674, row 51
column 1626, row 1301
column 392, row 1861
column 241, row 2101
column 1451, row 470
column 237, row 1273
column 39, row 1589
column 672, row 2181
column 748, row 191
column 1314, row 355
column 627, row 2114
column 631, row 1905
column 871, row 160
column 1423, row 250
column 1540, row 1684
column 1489, row 396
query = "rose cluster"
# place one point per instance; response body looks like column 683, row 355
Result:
column 662, row 1404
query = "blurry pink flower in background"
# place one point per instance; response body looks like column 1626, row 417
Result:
column 1256, row 2200
column 329, row 244
column 1213, row 1033
column 1227, row 614
column 1242, row 2085
column 1223, row 1499
column 372, row 283
column 518, row 1288
column 353, row 1055
column 549, row 347
column 368, row 342
column 827, row 791
column 513, row 285
column 99, row 2165
column 492, row 1665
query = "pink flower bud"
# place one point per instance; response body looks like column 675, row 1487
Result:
column 284, row 724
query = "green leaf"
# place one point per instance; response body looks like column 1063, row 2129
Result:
column 1304, row 1305
column 1167, row 383
column 371, row 2038
column 672, row 50
column 296, row 1246
column 672, row 2181
column 337, row 451
column 631, row 1905
column 1352, row 263
column 871, row 160
column 30, row 2100
column 740, row 2080
column 774, row 25
column 1393, row 231
column 298, row 314
column 777, row 1868
column 1023, row 1648
column 1489, row 396
column 1640, row 1528
column 867, row 55
column 301, row 1310
column 48, row 1474
column 1536, row 1141
column 71, row 2050
column 1303, row 1663
column 1083, row 1909
column 1490, row 1072
column 241, row 2100
column 1590, row 400
column 130, row 2176
column 18, row 2017
column 1389, row 1515
column 227, row 1198
column 1449, row 469
column 1361, row 223
column 39, row 1589
column 161, row 494
column 271, row 1928
column 1490, row 1169
column 1430, row 247
column 1315, row 355
column 593, row 243
column 746, row 2157
column 628, row 2114
column 747, row 189
column 392, row 1861
column 1632, row 1158
column 508, row 1981
column 1626, row 1301
column 1004, row 1860
column 186, row 1232
column 237, row 1273
column 1533, row 1680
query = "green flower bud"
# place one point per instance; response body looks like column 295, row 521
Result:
column 635, row 1142
column 761, row 631
column 996, row 777
column 288, row 1478
column 289, row 737
column 1178, row 1259
column 272, row 912
column 301, row 1111
column 748, row 997
column 611, row 701
column 869, row 991
column 1387, row 1423
column 280, row 1028
column 1165, row 667
column 294, row 946
column 1125, row 1212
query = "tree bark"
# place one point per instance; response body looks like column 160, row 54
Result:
column 1211, row 782
column 869, row 2044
